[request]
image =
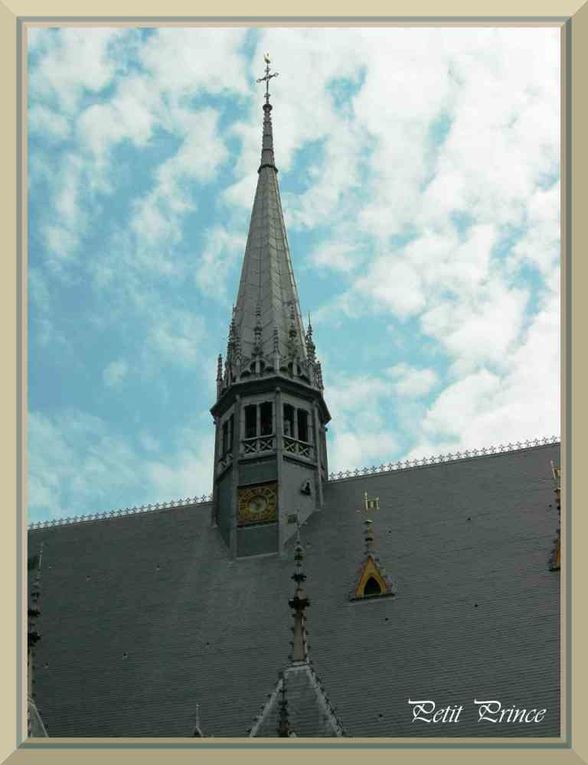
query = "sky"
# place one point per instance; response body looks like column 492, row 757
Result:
column 419, row 174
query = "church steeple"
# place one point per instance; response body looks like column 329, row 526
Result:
column 270, row 414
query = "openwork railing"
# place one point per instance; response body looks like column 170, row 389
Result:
column 257, row 444
column 433, row 460
column 135, row 510
column 301, row 448
column 225, row 460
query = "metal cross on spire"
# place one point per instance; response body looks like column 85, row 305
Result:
column 267, row 77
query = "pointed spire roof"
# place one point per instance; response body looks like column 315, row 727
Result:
column 267, row 291
column 298, row 705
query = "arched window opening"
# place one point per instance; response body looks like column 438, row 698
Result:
column 372, row 587
column 303, row 425
column 266, row 418
column 289, row 420
column 227, row 435
column 250, row 421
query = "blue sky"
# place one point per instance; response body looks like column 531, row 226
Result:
column 419, row 171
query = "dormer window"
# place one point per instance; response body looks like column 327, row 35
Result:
column 372, row 581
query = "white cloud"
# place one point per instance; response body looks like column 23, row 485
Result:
column 484, row 408
column 479, row 329
column 351, row 449
column 540, row 245
column 190, row 469
column 359, row 431
column 114, row 373
column 73, row 61
column 432, row 186
column 393, row 284
column 48, row 122
column 157, row 219
column 188, row 61
column 77, row 466
column 456, row 406
column 221, row 251
column 411, row 382
column 336, row 255
column 175, row 337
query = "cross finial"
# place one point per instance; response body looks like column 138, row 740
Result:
column 267, row 77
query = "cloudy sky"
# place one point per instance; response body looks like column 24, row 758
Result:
column 419, row 172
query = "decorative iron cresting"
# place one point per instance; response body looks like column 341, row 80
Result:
column 342, row 475
column 135, row 510
column 392, row 467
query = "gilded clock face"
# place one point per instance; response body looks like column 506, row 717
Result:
column 258, row 504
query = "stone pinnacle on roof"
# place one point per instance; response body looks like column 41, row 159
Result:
column 298, row 604
column 369, row 537
column 197, row 729
column 35, row 725
column 555, row 557
column 298, row 705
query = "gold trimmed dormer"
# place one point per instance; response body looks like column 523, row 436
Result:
column 372, row 581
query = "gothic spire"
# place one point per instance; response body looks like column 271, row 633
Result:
column 267, row 300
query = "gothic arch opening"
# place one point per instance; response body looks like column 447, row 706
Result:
column 372, row 587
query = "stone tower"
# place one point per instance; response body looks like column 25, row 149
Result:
column 270, row 458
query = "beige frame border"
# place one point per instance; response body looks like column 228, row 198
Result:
column 572, row 16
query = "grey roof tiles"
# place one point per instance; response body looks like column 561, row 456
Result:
column 144, row 616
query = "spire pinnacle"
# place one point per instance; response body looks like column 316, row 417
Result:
column 267, row 77
column 197, row 729
column 310, row 346
column 369, row 537
column 298, row 603
column 35, row 725
column 267, row 150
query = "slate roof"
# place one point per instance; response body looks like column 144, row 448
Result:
column 145, row 616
